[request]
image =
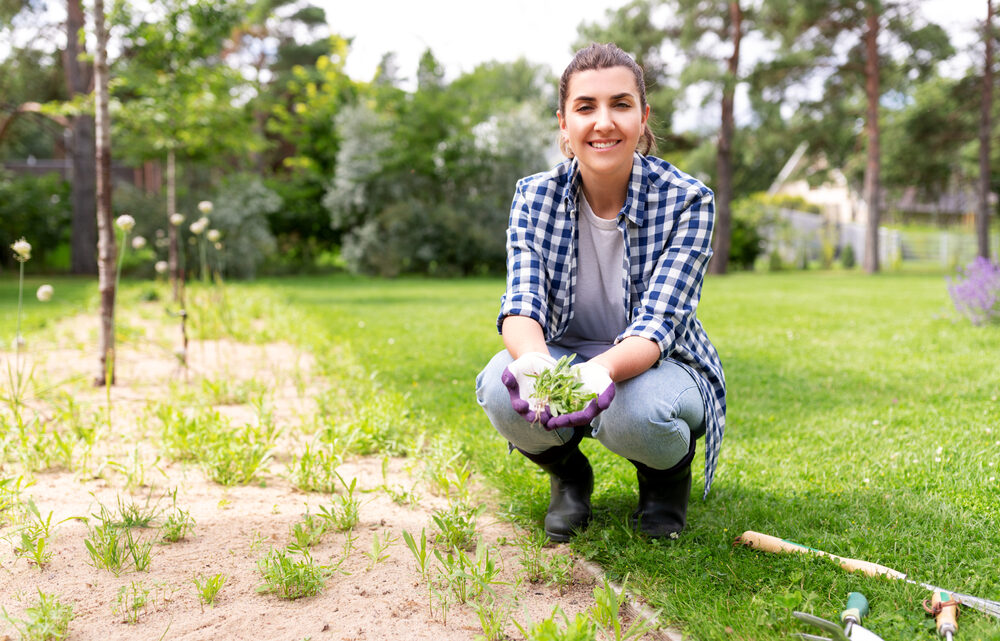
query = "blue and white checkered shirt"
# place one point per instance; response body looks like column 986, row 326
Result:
column 666, row 224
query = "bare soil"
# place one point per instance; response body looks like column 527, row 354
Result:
column 235, row 526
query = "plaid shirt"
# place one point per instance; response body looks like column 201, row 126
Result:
column 666, row 224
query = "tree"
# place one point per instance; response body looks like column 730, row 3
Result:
column 79, row 77
column 813, row 38
column 176, row 94
column 708, row 34
column 983, row 212
column 106, row 250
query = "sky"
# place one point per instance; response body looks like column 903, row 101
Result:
column 463, row 33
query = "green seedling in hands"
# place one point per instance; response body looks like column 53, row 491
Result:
column 560, row 389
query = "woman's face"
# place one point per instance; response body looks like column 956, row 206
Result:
column 603, row 120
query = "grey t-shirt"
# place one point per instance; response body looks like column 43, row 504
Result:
column 599, row 306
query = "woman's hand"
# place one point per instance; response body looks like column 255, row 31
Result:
column 519, row 377
column 595, row 379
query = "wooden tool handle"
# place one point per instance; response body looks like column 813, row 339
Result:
column 770, row 543
column 946, row 611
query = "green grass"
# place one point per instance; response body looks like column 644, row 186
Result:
column 864, row 420
column 72, row 295
column 842, row 389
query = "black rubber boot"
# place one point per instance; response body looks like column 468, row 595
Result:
column 663, row 498
column 571, row 481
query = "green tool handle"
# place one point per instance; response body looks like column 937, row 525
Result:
column 857, row 608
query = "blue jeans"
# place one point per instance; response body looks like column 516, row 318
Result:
column 652, row 418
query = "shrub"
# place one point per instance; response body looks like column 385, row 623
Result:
column 37, row 208
column 976, row 291
column 847, row 257
column 241, row 211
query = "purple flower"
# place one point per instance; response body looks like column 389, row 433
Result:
column 976, row 291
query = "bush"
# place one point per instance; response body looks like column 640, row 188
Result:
column 241, row 211
column 847, row 257
column 37, row 208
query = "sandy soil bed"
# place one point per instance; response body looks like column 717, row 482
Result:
column 236, row 526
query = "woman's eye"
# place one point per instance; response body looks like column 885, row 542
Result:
column 624, row 105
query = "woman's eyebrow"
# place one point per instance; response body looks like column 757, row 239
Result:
column 617, row 96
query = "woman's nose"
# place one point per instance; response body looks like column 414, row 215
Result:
column 604, row 121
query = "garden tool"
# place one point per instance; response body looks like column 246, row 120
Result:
column 945, row 610
column 769, row 543
column 850, row 618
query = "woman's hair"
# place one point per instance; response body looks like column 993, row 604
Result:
column 605, row 56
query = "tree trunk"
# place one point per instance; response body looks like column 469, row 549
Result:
column 871, row 189
column 106, row 250
column 84, row 228
column 724, row 160
column 983, row 215
column 173, row 233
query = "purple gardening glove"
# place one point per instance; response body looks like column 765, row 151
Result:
column 596, row 380
column 519, row 377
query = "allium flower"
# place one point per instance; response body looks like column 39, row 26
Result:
column 976, row 291
column 125, row 223
column 44, row 293
column 218, row 246
column 161, row 267
column 205, row 207
column 176, row 219
column 214, row 235
column 198, row 226
column 138, row 242
column 22, row 250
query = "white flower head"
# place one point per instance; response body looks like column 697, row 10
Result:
column 198, row 226
column 205, row 207
column 125, row 223
column 44, row 293
column 161, row 267
column 176, row 219
column 17, row 343
column 138, row 242
column 218, row 246
column 22, row 250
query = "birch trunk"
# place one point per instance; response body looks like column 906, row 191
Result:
column 83, row 237
column 106, row 250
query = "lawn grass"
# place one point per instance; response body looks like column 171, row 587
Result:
column 863, row 420
column 72, row 295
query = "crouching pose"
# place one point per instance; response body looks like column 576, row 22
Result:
column 606, row 254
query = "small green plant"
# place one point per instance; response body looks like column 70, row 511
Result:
column 560, row 389
column 315, row 470
column 177, row 526
column 131, row 602
column 606, row 612
column 47, row 620
column 208, row 588
column 112, row 546
column 308, row 532
column 343, row 514
column 34, row 536
column 290, row 577
column 539, row 567
column 420, row 552
column 235, row 457
column 134, row 515
column 580, row 628
column 456, row 526
column 494, row 616
column 379, row 545
column 399, row 494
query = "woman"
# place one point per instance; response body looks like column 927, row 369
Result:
column 606, row 254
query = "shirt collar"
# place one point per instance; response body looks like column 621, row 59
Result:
column 635, row 197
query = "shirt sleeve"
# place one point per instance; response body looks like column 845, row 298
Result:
column 526, row 279
column 675, row 285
